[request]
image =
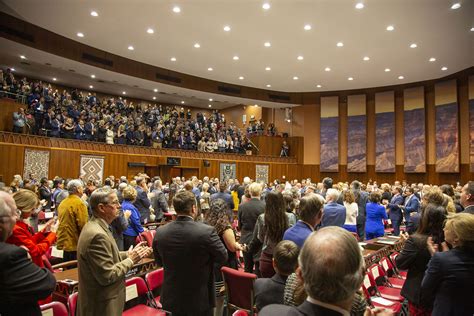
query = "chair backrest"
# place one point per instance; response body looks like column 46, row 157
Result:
column 369, row 284
column 54, row 309
column 387, row 266
column 136, row 292
column 377, row 274
column 239, row 288
column 240, row 312
column 154, row 279
column 72, row 303
column 147, row 236
column 393, row 257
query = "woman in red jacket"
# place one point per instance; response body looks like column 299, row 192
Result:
column 23, row 234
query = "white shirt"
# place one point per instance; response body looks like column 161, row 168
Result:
column 351, row 213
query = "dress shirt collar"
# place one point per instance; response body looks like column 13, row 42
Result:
column 185, row 217
column 306, row 224
column 328, row 306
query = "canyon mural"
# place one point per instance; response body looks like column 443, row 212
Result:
column 329, row 144
column 385, row 142
column 415, row 143
column 356, row 143
column 447, row 148
column 471, row 133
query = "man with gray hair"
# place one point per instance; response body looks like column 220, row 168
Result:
column 158, row 200
column 334, row 214
column 72, row 214
column 332, row 270
column 102, row 267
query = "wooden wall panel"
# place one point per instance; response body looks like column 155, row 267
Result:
column 7, row 108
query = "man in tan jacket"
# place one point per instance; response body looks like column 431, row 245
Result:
column 102, row 267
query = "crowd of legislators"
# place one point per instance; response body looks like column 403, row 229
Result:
column 73, row 115
column 274, row 220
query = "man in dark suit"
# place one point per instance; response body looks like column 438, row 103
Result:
column 247, row 215
column 361, row 198
column 22, row 283
column 467, row 197
column 411, row 204
column 395, row 212
column 223, row 194
column 142, row 202
column 270, row 290
column 334, row 214
column 188, row 250
column 331, row 267
column 158, row 201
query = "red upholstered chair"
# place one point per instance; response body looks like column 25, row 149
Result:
column 72, row 303
column 380, row 285
column 239, row 289
column 145, row 236
column 154, row 280
column 377, row 301
column 393, row 256
column 54, row 308
column 137, row 297
column 240, row 313
column 390, row 273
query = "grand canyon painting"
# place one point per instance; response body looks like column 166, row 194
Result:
column 414, row 121
column 447, row 150
column 356, row 143
column 471, row 133
column 329, row 144
column 385, row 142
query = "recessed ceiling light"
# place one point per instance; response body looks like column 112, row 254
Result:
column 241, row 78
column 197, row 45
column 92, row 76
column 91, row 87
column 387, row 69
column 210, row 105
column 80, row 34
column 131, row 47
column 155, row 90
column 295, row 78
column 300, row 57
column 176, row 9
column 22, row 57
column 210, row 69
column 94, row 13
column 413, row 45
column 432, row 59
column 359, row 5
column 256, row 105
column 12, row 69
column 235, row 58
column 472, row 29
column 455, row 6
column 173, row 58
column 268, row 68
column 124, row 92
column 390, row 28
column 307, row 27
column 210, row 100
column 266, row 6
column 319, row 86
column 227, row 28
column 182, row 102
column 327, row 69
column 401, row 77
column 269, row 85
column 366, row 58
column 350, row 78
column 154, row 98
column 150, row 31
column 444, row 68
column 54, row 79
column 267, row 44
column 340, row 44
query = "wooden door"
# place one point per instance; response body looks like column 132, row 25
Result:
column 190, row 172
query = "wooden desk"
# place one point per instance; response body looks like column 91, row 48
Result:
column 376, row 249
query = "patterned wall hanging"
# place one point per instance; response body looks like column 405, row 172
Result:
column 227, row 171
column 37, row 163
column 356, row 133
column 261, row 173
column 92, row 168
column 414, row 122
column 385, row 132
column 329, row 134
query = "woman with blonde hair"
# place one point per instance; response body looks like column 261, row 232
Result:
column 38, row 244
column 352, row 209
column 449, row 277
column 135, row 228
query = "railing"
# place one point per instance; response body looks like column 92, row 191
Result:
column 20, row 98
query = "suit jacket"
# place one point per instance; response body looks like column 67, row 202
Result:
column 469, row 209
column 448, row 282
column 187, row 250
column 269, row 291
column 247, row 215
column 394, row 206
column 102, row 269
column 22, row 283
column 306, row 309
column 414, row 257
column 142, row 203
column 159, row 204
column 334, row 215
column 45, row 194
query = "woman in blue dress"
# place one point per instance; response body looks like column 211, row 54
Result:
column 376, row 213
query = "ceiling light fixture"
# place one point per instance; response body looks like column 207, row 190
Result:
column 307, row 27
column 256, row 105
column 359, row 5
column 319, row 86
column 340, row 44
column 22, row 57
column 92, row 76
column 235, row 58
column 155, row 90
column 79, row 34
column 197, row 45
column 131, row 47
column 94, row 13
column 387, row 69
column 176, row 9
column 54, row 79
column 182, row 102
column 173, row 58
column 12, row 69
column 390, row 28
column 413, row 45
column 300, row 57
column 154, row 98
column 432, row 59
column 268, row 68
column 91, row 87
column 269, row 85
column 366, row 58
column 210, row 100
column 472, row 29
column 241, row 78
column 267, row 44
column 210, row 69
column 124, row 92
column 444, row 68
column 150, row 31
column 350, row 78
column 210, row 105
column 456, row 6
column 295, row 78
column 227, row 28
column 327, row 69
column 401, row 77
column 266, row 6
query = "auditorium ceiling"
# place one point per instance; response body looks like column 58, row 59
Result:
column 282, row 45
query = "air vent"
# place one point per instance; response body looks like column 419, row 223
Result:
column 71, row 70
column 25, row 63
column 18, row 34
column 97, row 60
column 279, row 97
column 168, row 78
column 229, row 89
